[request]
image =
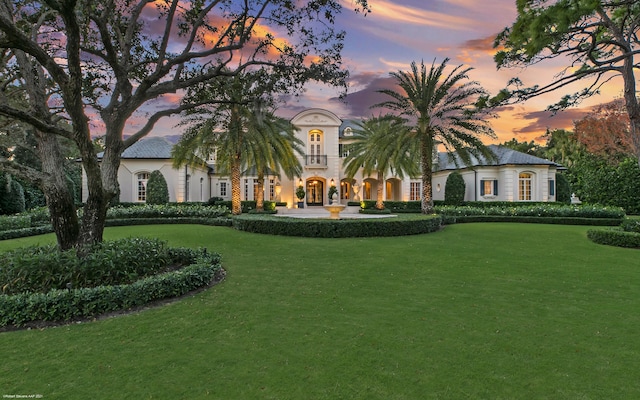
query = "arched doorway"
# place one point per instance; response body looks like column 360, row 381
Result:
column 315, row 192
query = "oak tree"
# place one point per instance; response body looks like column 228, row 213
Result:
column 597, row 39
column 116, row 67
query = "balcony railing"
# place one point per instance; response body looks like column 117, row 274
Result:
column 315, row 160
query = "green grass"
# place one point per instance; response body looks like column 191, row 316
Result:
column 492, row 311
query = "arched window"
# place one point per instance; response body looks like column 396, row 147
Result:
column 143, row 177
column 525, row 180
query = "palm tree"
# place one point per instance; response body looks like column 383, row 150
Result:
column 442, row 110
column 272, row 145
column 379, row 145
column 241, row 133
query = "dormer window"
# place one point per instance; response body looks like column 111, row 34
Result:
column 348, row 131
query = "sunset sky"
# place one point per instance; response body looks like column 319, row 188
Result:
column 393, row 35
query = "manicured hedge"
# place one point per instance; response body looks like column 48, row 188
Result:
column 67, row 305
column 613, row 237
column 221, row 221
column 536, row 210
column 327, row 228
column 631, row 225
column 458, row 219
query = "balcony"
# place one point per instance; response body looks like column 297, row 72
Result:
column 315, row 161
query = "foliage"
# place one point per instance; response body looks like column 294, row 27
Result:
column 454, row 189
column 631, row 225
column 538, row 210
column 243, row 133
column 613, row 237
column 167, row 211
column 327, row 228
column 606, row 132
column 300, row 193
column 66, row 305
column 524, row 147
column 563, row 189
column 597, row 182
column 562, row 147
column 11, row 195
column 443, row 110
column 381, row 145
column 41, row 269
column 157, row 190
column 332, row 190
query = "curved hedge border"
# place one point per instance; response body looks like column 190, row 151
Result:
column 328, row 228
column 67, row 305
column 613, row 237
column 458, row 219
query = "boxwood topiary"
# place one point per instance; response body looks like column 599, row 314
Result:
column 157, row 190
column 454, row 189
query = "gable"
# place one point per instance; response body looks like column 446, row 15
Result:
column 316, row 117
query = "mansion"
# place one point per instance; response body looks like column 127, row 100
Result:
column 512, row 176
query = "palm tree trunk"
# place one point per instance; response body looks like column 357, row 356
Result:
column 380, row 193
column 236, row 206
column 426, row 154
column 260, row 194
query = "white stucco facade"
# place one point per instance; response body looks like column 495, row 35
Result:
column 513, row 177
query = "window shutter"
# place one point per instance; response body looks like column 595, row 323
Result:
column 495, row 187
column 552, row 187
column 481, row 187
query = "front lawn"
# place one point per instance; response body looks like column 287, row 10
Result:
column 491, row 310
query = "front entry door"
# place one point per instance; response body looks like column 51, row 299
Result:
column 315, row 190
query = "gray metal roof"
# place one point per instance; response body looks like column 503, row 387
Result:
column 151, row 147
column 504, row 156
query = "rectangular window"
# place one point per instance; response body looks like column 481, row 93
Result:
column 223, row 189
column 552, row 187
column 272, row 189
column 246, row 189
column 414, row 191
column 343, row 149
column 488, row 187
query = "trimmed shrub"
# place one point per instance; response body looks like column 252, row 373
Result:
column 536, row 210
column 327, row 228
column 615, row 238
column 157, row 190
column 166, row 211
column 44, row 268
column 67, row 305
column 631, row 225
column 454, row 189
column 11, row 196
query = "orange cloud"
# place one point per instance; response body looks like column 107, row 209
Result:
column 404, row 14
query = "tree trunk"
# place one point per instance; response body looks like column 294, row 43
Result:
column 260, row 194
column 426, row 154
column 102, row 185
column 633, row 108
column 236, row 206
column 380, row 193
column 58, row 195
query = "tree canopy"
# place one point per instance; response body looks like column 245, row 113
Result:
column 597, row 39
